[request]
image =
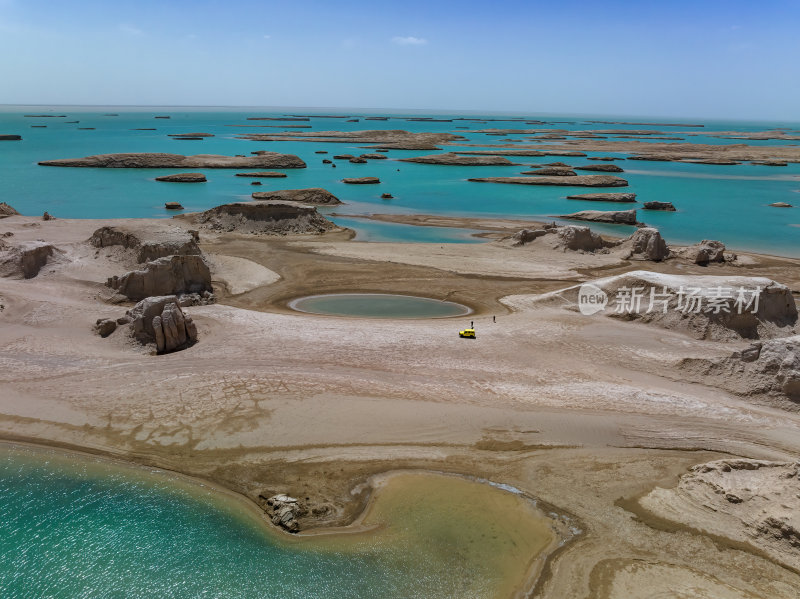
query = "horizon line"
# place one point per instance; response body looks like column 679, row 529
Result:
column 440, row 111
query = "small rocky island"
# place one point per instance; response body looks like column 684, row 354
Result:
column 160, row 160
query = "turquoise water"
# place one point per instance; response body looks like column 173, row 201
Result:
column 75, row 527
column 378, row 305
column 729, row 203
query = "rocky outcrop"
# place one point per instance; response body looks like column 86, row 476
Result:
column 579, row 181
column 265, row 217
column 361, row 180
column 622, row 217
column 373, row 156
column 6, row 210
column 606, row 168
column 264, row 174
column 574, row 153
column 781, row 205
column 755, row 503
column 24, row 261
column 165, row 276
column 604, row 197
column 647, row 244
column 770, row 368
column 183, row 178
column 666, row 206
column 389, row 139
column 387, row 196
column 285, row 511
column 569, row 237
column 193, row 135
column 705, row 252
column 105, row 326
column 526, row 236
column 159, row 160
column 719, row 308
column 453, row 159
column 770, row 162
column 160, row 321
column 503, row 152
column 314, row 195
column 147, row 244
column 552, row 171
column 578, row 239
column 358, row 160
column 173, row 206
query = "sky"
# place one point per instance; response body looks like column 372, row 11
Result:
column 700, row 58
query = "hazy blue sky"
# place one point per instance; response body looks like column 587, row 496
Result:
column 677, row 58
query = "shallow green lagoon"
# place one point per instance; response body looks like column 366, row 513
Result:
column 74, row 527
column 378, row 305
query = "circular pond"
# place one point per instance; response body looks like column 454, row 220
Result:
column 378, row 305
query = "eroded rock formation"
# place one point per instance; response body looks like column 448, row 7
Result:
column 770, row 367
column 579, row 180
column 164, row 276
column 161, row 160
column 647, row 244
column 24, row 261
column 183, row 178
column 160, row 321
column 147, row 244
column 453, row 159
column 265, row 217
column 313, row 195
column 623, row 217
column 6, row 210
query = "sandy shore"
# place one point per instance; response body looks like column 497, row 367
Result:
column 577, row 411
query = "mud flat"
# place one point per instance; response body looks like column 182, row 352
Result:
column 575, row 411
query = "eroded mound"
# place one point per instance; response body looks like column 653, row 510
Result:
column 721, row 308
column 312, row 195
column 453, row 159
column 148, row 243
column 161, row 160
column 770, row 368
column 266, row 217
column 751, row 501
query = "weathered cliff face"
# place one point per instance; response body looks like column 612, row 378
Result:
column 770, row 368
column 647, row 244
column 6, row 210
column 147, row 244
column 756, row 502
column 159, row 320
column 719, row 308
column 164, row 276
column 24, row 261
column 265, row 217
column 313, row 195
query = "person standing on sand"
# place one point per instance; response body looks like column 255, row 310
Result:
column 494, row 318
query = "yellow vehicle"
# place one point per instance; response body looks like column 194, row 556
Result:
column 467, row 333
